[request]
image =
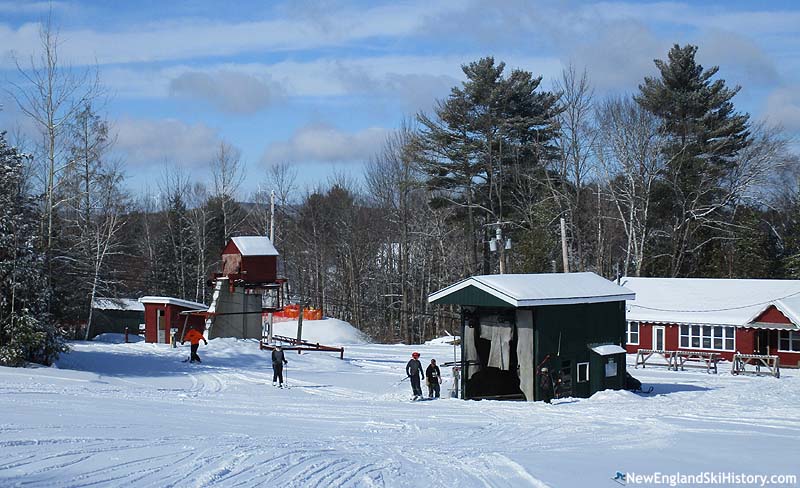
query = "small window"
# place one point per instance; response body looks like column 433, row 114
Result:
column 633, row 333
column 583, row 372
column 789, row 341
column 611, row 368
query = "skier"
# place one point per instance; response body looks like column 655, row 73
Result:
column 546, row 385
column 278, row 360
column 194, row 337
column 414, row 371
column 433, row 377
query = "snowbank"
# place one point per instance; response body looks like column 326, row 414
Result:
column 112, row 338
column 448, row 339
column 330, row 332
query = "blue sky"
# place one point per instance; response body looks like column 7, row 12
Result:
column 320, row 84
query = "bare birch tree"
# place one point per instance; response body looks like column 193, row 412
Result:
column 228, row 175
column 630, row 157
column 51, row 93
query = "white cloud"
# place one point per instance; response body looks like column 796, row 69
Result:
column 783, row 107
column 738, row 57
column 145, row 143
column 228, row 91
column 192, row 38
column 415, row 81
column 325, row 143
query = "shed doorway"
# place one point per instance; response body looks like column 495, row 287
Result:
column 161, row 320
column 491, row 341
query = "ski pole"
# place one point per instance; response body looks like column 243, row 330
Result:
column 407, row 377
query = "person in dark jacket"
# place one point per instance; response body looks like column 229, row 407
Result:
column 546, row 385
column 433, row 377
column 278, row 360
column 414, row 371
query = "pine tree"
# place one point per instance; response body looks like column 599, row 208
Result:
column 705, row 134
column 26, row 333
column 490, row 132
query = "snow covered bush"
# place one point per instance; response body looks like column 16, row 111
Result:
column 24, row 339
column 26, row 330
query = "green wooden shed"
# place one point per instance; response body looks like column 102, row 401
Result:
column 521, row 331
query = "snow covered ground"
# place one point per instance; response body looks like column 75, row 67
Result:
column 135, row 415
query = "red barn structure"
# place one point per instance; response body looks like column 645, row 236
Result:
column 247, row 290
column 250, row 260
column 724, row 316
column 162, row 318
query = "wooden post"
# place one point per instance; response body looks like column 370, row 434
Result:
column 300, row 324
column 183, row 331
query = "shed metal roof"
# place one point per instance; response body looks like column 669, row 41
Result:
column 127, row 304
column 528, row 290
column 608, row 349
column 255, row 246
column 174, row 301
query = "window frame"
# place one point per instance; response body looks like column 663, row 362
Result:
column 792, row 338
column 629, row 333
column 706, row 337
column 578, row 376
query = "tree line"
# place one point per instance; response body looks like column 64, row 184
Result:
column 672, row 180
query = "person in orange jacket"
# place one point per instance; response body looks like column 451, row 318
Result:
column 194, row 337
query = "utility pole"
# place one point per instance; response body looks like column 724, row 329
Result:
column 564, row 254
column 272, row 217
column 272, row 240
column 499, row 245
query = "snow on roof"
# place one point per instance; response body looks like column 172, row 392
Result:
column 526, row 290
column 710, row 301
column 608, row 349
column 255, row 246
column 130, row 304
column 174, row 301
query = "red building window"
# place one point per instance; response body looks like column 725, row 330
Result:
column 633, row 333
column 707, row 337
column 789, row 341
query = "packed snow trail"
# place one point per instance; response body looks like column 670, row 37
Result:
column 134, row 415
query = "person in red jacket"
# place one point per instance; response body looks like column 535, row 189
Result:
column 194, row 337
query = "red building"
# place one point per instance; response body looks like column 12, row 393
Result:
column 162, row 318
column 715, row 315
column 250, row 260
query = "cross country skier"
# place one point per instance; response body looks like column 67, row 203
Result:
column 433, row 377
column 278, row 360
column 414, row 371
column 194, row 337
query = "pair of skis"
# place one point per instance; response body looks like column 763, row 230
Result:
column 422, row 399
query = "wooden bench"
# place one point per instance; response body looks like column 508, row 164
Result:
column 741, row 361
column 709, row 359
column 643, row 355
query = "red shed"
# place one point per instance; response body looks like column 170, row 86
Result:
column 725, row 316
column 162, row 316
column 251, row 260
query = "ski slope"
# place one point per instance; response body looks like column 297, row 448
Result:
column 134, row 415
